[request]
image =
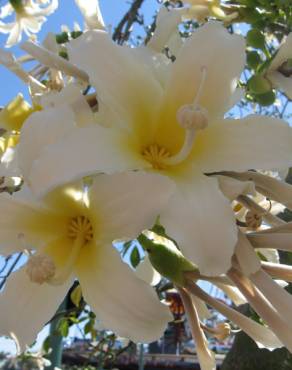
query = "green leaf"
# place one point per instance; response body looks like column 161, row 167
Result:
column 253, row 59
column 266, row 99
column 89, row 326
column 62, row 38
column 76, row 296
column 135, row 257
column 63, row 327
column 259, row 85
column 46, row 344
column 255, row 39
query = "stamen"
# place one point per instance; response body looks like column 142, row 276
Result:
column 193, row 118
column 40, row 268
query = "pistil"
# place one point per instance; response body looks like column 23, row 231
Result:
column 193, row 118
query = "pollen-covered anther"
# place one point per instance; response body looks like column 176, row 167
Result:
column 192, row 116
column 253, row 220
column 80, row 226
column 40, row 268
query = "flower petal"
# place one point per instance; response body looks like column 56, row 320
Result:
column 132, row 206
column 209, row 43
column 199, row 218
column 284, row 53
column 281, row 82
column 166, row 26
column 86, row 151
column 232, row 189
column 263, row 336
column 255, row 142
column 24, row 224
column 25, row 307
column 91, row 13
column 42, row 129
column 122, row 82
column 123, row 302
column 146, row 272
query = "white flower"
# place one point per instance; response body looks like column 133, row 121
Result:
column 29, row 17
column 174, row 125
column 71, row 233
column 280, row 72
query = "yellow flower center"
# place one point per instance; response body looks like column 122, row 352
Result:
column 156, row 155
column 80, row 226
column 41, row 267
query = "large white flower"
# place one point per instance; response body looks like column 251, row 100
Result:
column 29, row 17
column 173, row 124
column 71, row 233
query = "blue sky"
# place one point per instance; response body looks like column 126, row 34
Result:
column 67, row 13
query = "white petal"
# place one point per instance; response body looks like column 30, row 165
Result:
column 281, row 82
column 276, row 295
column 282, row 241
column 199, row 218
column 52, row 60
column 271, row 255
column 269, row 186
column 146, row 272
column 232, row 189
column 86, row 151
column 166, row 25
column 15, row 34
column 202, row 309
column 209, row 43
column 129, row 202
column 40, row 130
column 206, row 357
column 9, row 61
column 21, row 223
column 25, row 307
column 91, row 12
column 263, row 336
column 246, row 256
column 121, row 80
column 6, row 10
column 123, row 302
column 284, row 53
column 255, row 142
column 233, row 293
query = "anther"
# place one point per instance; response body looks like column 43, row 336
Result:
column 253, row 220
column 40, row 268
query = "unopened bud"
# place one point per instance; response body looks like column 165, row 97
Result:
column 40, row 268
column 253, row 220
column 192, row 116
